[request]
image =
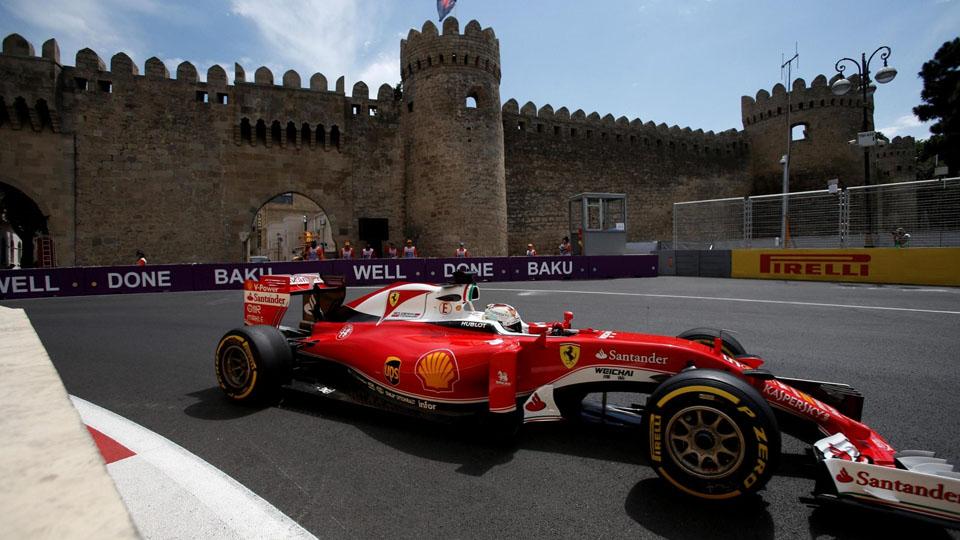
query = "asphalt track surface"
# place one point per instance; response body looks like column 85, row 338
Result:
column 343, row 472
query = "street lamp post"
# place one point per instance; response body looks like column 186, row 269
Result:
column 867, row 139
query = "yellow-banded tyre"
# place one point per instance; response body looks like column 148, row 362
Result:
column 252, row 362
column 730, row 345
column 711, row 435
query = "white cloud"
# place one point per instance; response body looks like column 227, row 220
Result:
column 333, row 37
column 106, row 26
column 907, row 124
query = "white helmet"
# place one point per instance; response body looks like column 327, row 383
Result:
column 505, row 314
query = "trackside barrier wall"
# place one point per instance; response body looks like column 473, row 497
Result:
column 911, row 266
column 42, row 282
column 55, row 482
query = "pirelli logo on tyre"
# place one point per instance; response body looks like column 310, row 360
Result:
column 656, row 437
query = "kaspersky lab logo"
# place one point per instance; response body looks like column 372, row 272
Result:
column 815, row 264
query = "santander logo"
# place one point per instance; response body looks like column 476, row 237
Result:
column 536, row 404
column 844, row 477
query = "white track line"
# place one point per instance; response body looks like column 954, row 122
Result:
column 719, row 298
column 227, row 509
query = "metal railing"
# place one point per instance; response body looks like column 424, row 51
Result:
column 863, row 216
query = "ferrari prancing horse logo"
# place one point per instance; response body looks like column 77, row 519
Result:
column 569, row 354
column 394, row 298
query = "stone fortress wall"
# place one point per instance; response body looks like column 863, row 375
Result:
column 553, row 155
column 178, row 166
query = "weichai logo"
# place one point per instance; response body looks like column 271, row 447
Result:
column 815, row 264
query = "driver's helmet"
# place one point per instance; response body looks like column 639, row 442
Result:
column 504, row 314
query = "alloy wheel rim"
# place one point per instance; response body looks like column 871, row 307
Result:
column 705, row 442
column 235, row 367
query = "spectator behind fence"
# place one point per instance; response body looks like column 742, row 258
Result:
column 531, row 251
column 367, row 252
column 141, row 258
column 565, row 247
column 392, row 252
column 310, row 252
column 410, row 250
column 900, row 238
column 346, row 252
column 462, row 252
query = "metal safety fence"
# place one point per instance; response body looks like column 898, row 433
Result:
column 863, row 216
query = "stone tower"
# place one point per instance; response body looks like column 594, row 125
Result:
column 829, row 121
column 453, row 140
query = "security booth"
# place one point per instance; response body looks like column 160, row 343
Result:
column 598, row 223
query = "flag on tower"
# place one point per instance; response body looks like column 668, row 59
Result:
column 444, row 7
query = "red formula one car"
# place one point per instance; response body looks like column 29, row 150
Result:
column 713, row 416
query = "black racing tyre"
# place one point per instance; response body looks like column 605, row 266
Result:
column 731, row 347
column 252, row 362
column 711, row 435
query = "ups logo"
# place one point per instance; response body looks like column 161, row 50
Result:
column 391, row 370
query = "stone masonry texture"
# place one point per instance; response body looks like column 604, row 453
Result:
column 118, row 160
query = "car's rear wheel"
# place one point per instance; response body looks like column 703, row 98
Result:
column 730, row 345
column 711, row 435
column 252, row 362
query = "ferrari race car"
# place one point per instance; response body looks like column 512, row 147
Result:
column 713, row 416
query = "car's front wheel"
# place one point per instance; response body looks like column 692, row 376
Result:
column 711, row 435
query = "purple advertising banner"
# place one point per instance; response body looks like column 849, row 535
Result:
column 377, row 271
column 210, row 277
column 485, row 269
column 137, row 279
column 566, row 267
column 613, row 266
column 41, row 282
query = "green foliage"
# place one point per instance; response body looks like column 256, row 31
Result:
column 941, row 102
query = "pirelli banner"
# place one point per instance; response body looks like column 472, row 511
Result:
column 912, row 266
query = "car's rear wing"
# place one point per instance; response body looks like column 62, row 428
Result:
column 266, row 300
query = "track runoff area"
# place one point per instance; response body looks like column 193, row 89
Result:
column 337, row 471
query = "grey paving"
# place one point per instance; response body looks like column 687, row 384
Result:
column 342, row 472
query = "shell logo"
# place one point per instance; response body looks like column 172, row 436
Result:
column 438, row 371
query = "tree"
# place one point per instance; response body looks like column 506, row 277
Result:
column 941, row 102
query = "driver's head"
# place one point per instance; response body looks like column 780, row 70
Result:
column 505, row 314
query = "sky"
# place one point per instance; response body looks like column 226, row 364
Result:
column 680, row 62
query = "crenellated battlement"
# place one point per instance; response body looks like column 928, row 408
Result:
column 579, row 125
column 766, row 105
column 176, row 160
column 428, row 49
column 90, row 68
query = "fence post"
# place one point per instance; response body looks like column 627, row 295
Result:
column 747, row 222
column 843, row 227
column 675, row 244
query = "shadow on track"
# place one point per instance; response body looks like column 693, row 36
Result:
column 856, row 523
column 655, row 505
column 651, row 503
column 213, row 405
